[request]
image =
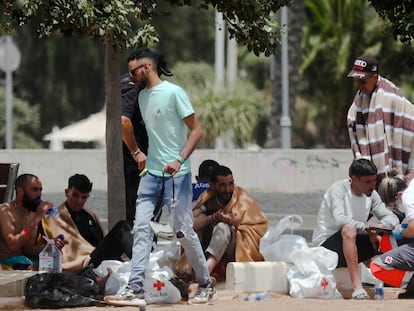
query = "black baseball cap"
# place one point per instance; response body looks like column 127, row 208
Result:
column 364, row 67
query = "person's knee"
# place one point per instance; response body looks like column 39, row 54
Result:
column 223, row 231
column 122, row 225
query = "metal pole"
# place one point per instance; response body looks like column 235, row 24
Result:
column 231, row 63
column 219, row 52
column 285, row 121
column 9, row 116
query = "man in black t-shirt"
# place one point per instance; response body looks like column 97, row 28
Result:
column 135, row 143
column 87, row 241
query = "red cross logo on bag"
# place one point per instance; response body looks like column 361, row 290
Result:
column 158, row 285
column 324, row 283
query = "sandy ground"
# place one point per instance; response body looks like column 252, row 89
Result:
column 230, row 301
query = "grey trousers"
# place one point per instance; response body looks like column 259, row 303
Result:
column 223, row 242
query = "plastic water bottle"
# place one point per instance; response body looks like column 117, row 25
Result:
column 50, row 257
column 257, row 296
column 379, row 290
column 52, row 212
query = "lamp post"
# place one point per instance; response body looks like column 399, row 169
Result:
column 9, row 61
column 285, row 121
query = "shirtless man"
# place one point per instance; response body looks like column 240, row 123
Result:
column 19, row 219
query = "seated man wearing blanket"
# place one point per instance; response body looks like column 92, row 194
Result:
column 229, row 222
column 87, row 242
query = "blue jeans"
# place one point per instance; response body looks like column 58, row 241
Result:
column 148, row 192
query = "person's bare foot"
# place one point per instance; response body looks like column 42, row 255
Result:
column 192, row 290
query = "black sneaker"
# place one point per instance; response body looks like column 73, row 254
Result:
column 205, row 293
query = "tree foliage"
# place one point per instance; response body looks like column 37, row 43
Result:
column 110, row 21
column 400, row 15
column 249, row 21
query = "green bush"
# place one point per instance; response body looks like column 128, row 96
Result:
column 237, row 112
column 25, row 123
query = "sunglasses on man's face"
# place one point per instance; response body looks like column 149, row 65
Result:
column 134, row 71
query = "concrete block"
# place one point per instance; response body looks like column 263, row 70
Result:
column 12, row 303
column 12, row 282
column 257, row 276
column 343, row 281
column 271, row 275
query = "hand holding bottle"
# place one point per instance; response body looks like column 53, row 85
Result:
column 52, row 210
column 60, row 241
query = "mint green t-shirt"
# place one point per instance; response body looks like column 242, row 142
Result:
column 163, row 108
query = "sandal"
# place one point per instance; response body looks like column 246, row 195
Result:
column 360, row 294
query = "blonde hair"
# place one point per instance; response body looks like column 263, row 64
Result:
column 391, row 185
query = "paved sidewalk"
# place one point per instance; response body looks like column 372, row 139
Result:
column 230, row 301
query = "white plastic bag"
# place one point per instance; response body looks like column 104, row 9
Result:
column 160, row 290
column 157, row 285
column 311, row 276
column 275, row 246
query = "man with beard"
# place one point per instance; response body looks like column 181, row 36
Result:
column 20, row 243
column 173, row 134
column 229, row 222
column 342, row 222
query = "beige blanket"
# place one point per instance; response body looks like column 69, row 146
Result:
column 253, row 223
column 76, row 254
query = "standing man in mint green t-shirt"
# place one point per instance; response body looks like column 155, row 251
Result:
column 168, row 116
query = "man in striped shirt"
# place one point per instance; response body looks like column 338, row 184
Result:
column 380, row 120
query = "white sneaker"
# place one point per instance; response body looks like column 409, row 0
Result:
column 127, row 297
column 205, row 293
column 129, row 294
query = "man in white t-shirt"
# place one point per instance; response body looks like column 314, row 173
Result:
column 342, row 223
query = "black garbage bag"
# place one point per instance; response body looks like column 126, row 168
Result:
column 57, row 290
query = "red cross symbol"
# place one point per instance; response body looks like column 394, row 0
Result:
column 158, row 285
column 324, row 283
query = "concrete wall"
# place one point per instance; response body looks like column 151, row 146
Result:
column 267, row 170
